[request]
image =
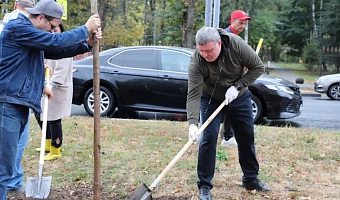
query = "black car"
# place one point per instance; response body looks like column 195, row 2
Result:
column 154, row 78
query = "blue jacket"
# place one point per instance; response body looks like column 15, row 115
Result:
column 22, row 52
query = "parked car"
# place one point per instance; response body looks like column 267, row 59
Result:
column 329, row 84
column 154, row 78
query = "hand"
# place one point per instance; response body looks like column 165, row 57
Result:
column 192, row 133
column 99, row 35
column 93, row 23
column 48, row 92
column 231, row 95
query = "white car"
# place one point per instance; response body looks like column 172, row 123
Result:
column 329, row 84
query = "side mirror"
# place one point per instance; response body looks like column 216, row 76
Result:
column 299, row 80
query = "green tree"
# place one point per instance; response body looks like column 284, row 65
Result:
column 310, row 55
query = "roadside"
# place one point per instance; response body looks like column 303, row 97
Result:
column 307, row 89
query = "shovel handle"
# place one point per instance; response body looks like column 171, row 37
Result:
column 259, row 45
column 44, row 124
column 185, row 148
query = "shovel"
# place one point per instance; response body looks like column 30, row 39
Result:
column 143, row 192
column 40, row 187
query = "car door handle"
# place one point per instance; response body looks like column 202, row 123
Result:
column 115, row 72
column 165, row 77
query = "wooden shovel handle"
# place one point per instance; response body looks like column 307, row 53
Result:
column 185, row 148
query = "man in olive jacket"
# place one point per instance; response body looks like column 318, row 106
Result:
column 216, row 75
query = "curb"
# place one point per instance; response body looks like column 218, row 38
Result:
column 310, row 95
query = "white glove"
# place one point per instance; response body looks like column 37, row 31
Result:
column 231, row 95
column 192, row 133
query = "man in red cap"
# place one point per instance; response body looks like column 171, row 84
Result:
column 238, row 20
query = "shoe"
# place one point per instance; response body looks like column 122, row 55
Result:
column 229, row 143
column 47, row 146
column 54, row 154
column 19, row 190
column 255, row 185
column 205, row 193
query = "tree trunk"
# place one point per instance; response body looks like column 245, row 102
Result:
column 188, row 25
column 145, row 21
column 153, row 19
column 102, row 11
column 184, row 26
column 163, row 23
column 124, row 12
column 313, row 18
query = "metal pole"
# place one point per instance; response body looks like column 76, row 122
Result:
column 208, row 13
column 96, row 92
column 216, row 22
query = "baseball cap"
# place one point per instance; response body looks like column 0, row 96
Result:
column 239, row 14
column 27, row 1
column 47, row 7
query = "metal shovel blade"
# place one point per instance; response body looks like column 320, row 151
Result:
column 33, row 190
column 142, row 193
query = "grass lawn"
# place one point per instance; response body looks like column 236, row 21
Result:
column 296, row 163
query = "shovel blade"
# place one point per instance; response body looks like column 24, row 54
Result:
column 32, row 187
column 142, row 193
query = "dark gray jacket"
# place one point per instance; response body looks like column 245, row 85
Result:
column 202, row 75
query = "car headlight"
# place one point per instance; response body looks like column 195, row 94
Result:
column 320, row 80
column 280, row 88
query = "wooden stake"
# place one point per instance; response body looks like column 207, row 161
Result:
column 96, row 117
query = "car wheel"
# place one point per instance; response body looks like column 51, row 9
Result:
column 334, row 92
column 107, row 102
column 257, row 108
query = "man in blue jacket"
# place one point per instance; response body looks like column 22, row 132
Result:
column 24, row 42
column 16, row 184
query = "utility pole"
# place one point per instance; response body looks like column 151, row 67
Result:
column 246, row 31
column 216, row 22
column 208, row 13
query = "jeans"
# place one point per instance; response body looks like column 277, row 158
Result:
column 18, row 174
column 13, row 119
column 241, row 116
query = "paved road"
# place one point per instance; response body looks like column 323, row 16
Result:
column 289, row 75
column 317, row 113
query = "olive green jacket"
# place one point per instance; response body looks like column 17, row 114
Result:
column 202, row 75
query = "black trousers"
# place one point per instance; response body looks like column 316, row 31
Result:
column 54, row 130
column 241, row 116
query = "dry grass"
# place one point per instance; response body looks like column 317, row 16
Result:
column 296, row 163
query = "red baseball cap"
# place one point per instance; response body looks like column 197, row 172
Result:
column 239, row 14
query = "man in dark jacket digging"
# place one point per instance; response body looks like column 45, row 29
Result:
column 216, row 75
